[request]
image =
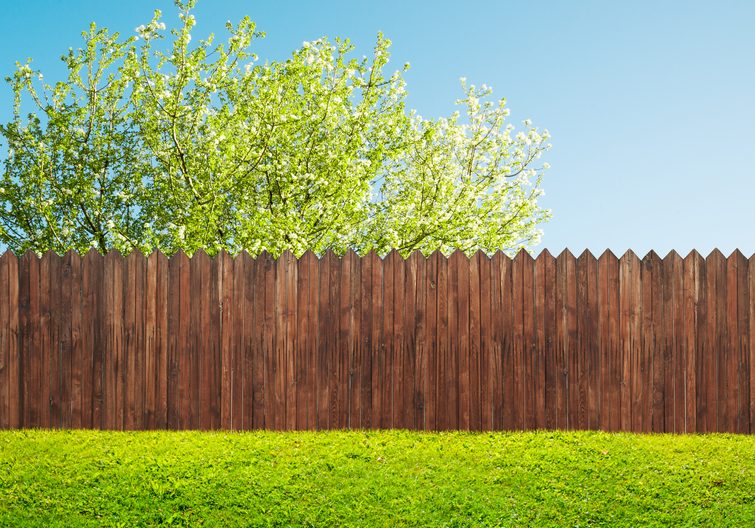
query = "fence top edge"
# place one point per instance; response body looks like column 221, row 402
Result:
column 715, row 254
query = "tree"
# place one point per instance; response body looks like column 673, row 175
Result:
column 154, row 143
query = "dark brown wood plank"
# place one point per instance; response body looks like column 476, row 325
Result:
column 28, row 280
column 377, row 342
column 334, row 350
column 407, row 282
column 250, row 360
column 704, row 353
column 15, row 372
column 116, row 343
column 457, row 372
column 727, row 373
column 721, row 344
column 487, row 363
column 644, row 407
column 508, row 403
column 463, row 350
column 364, row 344
column 346, row 333
column 388, row 356
column 130, row 346
column 216, row 356
column 313, row 313
column 573, row 343
column 605, row 350
column 161, row 340
column 397, row 338
column 33, row 394
column 546, row 321
column 667, row 341
column 324, row 344
column 5, row 348
column 474, row 407
column 593, row 359
column 616, row 377
column 94, row 309
column 209, row 349
column 741, row 344
column 430, row 342
column 674, row 337
column 519, row 297
column 173, row 399
column 227, row 309
column 497, row 336
column 49, row 353
column 151, row 372
column 582, row 356
column 265, row 310
column 604, row 343
column 62, row 323
column 629, row 310
column 242, row 396
column 420, row 345
column 200, row 303
column 529, row 359
column 73, row 262
column 657, row 346
column 196, row 298
column 708, row 360
column 140, row 306
column 562, row 342
column 751, row 347
column 186, row 321
column 278, row 363
column 290, row 344
column 304, row 339
column 539, row 352
column 254, row 358
column 589, row 409
column 690, row 270
column 353, row 339
column 444, row 389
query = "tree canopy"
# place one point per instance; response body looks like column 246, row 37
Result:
column 157, row 142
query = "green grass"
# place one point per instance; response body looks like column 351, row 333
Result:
column 389, row 478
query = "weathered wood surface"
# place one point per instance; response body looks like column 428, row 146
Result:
column 479, row 343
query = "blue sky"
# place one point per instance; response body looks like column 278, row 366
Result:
column 651, row 104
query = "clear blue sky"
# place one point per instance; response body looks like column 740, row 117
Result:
column 651, row 104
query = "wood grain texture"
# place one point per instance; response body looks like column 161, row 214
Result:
column 362, row 342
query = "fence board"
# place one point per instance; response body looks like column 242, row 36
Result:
column 304, row 339
column 741, row 344
column 227, row 309
column 378, row 348
column 444, row 389
column 348, row 336
column 751, row 355
column 487, row 360
column 674, row 339
column 365, row 341
column 720, row 349
column 689, row 338
column 5, row 349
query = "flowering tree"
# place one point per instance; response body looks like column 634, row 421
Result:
column 156, row 143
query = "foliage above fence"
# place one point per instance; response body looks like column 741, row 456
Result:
column 135, row 342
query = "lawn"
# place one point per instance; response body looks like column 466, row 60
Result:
column 387, row 478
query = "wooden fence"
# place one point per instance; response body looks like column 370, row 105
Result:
column 434, row 343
